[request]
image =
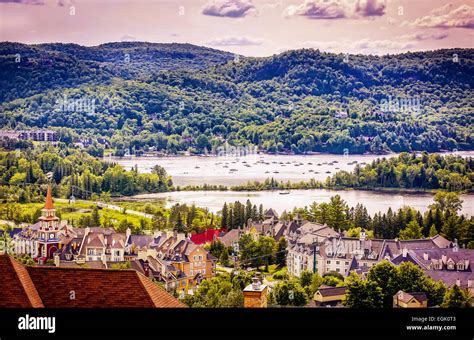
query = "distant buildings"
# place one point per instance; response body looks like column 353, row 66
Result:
column 318, row 248
column 34, row 135
column 167, row 257
column 453, row 266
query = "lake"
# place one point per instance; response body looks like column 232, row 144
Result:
column 374, row 201
column 231, row 170
column 228, row 170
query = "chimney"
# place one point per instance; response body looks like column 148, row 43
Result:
column 57, row 260
column 404, row 252
column 255, row 294
column 146, row 269
column 256, row 283
column 425, row 256
column 455, row 246
column 181, row 237
column 458, row 282
column 444, row 258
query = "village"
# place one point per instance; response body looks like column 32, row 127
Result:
column 167, row 267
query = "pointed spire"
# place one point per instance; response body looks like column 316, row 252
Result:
column 49, row 199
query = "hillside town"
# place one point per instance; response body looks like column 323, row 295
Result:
column 168, row 263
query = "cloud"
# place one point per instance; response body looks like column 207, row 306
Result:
column 419, row 36
column 370, row 8
column 24, row 2
column 446, row 17
column 235, row 41
column 228, row 8
column 128, row 38
column 336, row 9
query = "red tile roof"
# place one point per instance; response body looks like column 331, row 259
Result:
column 92, row 288
column 207, row 236
column 16, row 287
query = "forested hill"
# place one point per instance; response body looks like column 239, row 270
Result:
column 180, row 97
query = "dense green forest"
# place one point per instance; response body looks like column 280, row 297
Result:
column 435, row 171
column 406, row 171
column 179, row 97
column 75, row 172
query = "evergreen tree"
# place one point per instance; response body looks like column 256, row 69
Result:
column 225, row 213
column 456, row 298
column 412, row 231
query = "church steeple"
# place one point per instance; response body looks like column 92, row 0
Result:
column 49, row 199
column 48, row 213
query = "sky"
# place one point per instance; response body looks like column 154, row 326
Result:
column 246, row 27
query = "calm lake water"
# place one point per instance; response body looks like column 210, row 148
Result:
column 195, row 170
column 373, row 201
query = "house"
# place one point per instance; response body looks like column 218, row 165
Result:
column 449, row 265
column 177, row 262
column 231, row 239
column 410, row 300
column 329, row 296
column 58, row 287
column 315, row 247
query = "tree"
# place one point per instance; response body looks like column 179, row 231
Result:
column 224, row 216
column 305, row 278
column 412, row 231
column 385, row 275
column 362, row 294
column 280, row 250
column 224, row 257
column 95, row 217
column 289, row 293
column 450, row 228
column 447, row 201
column 456, row 298
column 433, row 231
column 265, row 248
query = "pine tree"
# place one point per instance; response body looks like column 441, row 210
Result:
column 224, row 220
column 412, row 231
column 95, row 217
column 433, row 231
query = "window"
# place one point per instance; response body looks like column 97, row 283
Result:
column 337, row 262
column 338, row 270
column 328, row 262
column 191, row 272
column 347, row 263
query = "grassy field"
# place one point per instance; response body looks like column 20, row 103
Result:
column 27, row 211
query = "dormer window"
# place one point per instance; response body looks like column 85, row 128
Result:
column 451, row 266
column 460, row 266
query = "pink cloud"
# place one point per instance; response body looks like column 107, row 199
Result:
column 334, row 9
column 443, row 17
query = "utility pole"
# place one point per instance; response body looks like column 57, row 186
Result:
column 315, row 249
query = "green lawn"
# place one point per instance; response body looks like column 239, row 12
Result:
column 74, row 211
